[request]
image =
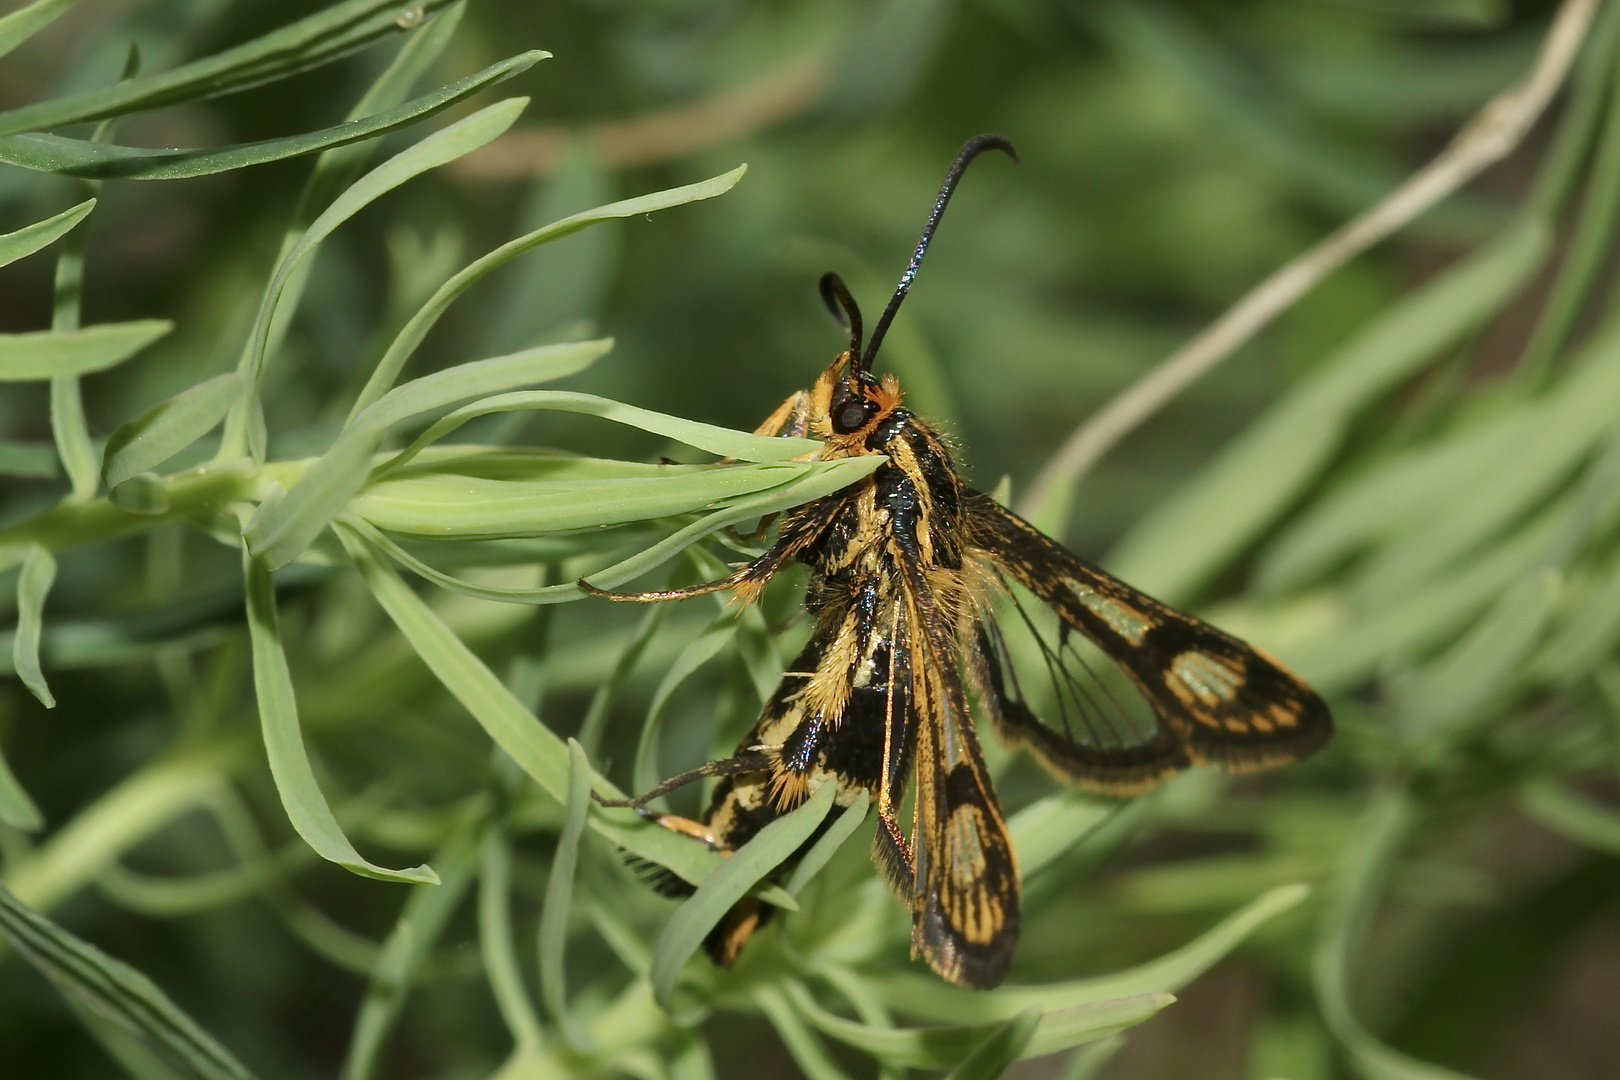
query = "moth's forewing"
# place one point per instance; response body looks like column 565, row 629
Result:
column 1217, row 700
column 965, row 904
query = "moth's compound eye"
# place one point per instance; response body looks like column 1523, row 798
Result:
column 849, row 416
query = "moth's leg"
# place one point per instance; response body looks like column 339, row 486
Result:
column 758, row 534
column 748, row 581
column 748, row 761
column 697, row 830
column 791, row 418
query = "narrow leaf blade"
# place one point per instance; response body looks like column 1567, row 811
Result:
column 90, row 160
column 46, row 354
column 30, row 238
column 301, row 796
column 33, row 585
column 166, row 429
column 704, row 909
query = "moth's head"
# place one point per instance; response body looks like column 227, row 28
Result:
column 848, row 395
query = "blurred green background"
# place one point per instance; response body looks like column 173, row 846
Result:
column 1443, row 570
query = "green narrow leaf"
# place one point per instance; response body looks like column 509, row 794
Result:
column 25, row 22
column 164, row 430
column 411, row 335
column 284, row 743
column 746, row 866
column 1387, row 497
column 45, row 354
column 1588, row 635
column 16, row 808
column 1481, row 666
column 453, row 505
column 116, row 994
column 1345, row 925
column 559, row 898
column 136, row 1058
column 72, row 434
column 30, row 238
column 1048, row 827
column 773, row 499
column 118, row 820
column 526, row 367
column 280, row 532
column 514, row 729
column 316, row 39
column 108, row 161
column 1085, row 1062
column 36, row 461
column 419, row 925
column 33, row 586
column 1574, row 816
column 707, row 437
column 1562, row 431
column 1354, row 648
column 562, row 283
column 929, row 999
column 991, row 1058
column 336, row 169
column 495, row 941
column 947, row 1047
column 699, row 651
column 175, row 897
column 280, row 529
column 596, row 717
column 802, row 1044
column 444, row 145
column 69, row 428
column 1190, row 537
column 822, row 851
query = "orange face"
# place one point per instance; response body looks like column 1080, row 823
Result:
column 845, row 409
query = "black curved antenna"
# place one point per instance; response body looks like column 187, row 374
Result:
column 835, row 294
column 970, row 150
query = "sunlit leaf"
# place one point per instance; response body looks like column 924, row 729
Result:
column 931, row 999
column 33, row 586
column 309, row 42
column 109, row 161
column 301, row 796
column 164, row 430
column 444, row 145
column 559, row 898
column 45, row 354
column 991, row 1057
column 945, row 1047
column 416, row 329
column 30, row 238
column 279, row 532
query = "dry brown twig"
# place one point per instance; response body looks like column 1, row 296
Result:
column 672, row 133
column 1491, row 135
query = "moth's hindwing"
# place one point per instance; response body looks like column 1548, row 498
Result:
column 1214, row 699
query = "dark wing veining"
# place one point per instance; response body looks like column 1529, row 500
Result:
column 1213, row 699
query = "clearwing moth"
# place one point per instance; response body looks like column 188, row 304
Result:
column 907, row 568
